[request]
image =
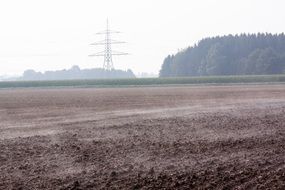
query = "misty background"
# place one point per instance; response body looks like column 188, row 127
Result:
column 55, row 34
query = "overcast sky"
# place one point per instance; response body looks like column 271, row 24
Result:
column 55, row 34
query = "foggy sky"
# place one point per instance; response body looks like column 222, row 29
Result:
column 55, row 34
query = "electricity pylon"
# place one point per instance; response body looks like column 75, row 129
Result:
column 108, row 52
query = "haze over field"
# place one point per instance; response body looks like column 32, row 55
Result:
column 195, row 101
column 55, row 34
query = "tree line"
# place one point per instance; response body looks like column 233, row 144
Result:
column 245, row 54
column 76, row 73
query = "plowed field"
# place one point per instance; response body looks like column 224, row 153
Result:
column 193, row 137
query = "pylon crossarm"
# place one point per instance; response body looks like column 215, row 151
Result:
column 102, row 53
column 103, row 42
column 119, row 53
column 117, row 42
column 108, row 31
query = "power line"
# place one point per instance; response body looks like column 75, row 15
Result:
column 108, row 52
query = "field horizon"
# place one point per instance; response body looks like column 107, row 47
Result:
column 240, row 79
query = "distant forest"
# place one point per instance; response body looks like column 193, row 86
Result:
column 76, row 73
column 245, row 54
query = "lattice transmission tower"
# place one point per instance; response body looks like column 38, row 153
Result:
column 108, row 52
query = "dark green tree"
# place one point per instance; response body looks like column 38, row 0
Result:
column 229, row 55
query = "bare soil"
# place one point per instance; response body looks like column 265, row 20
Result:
column 199, row 137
